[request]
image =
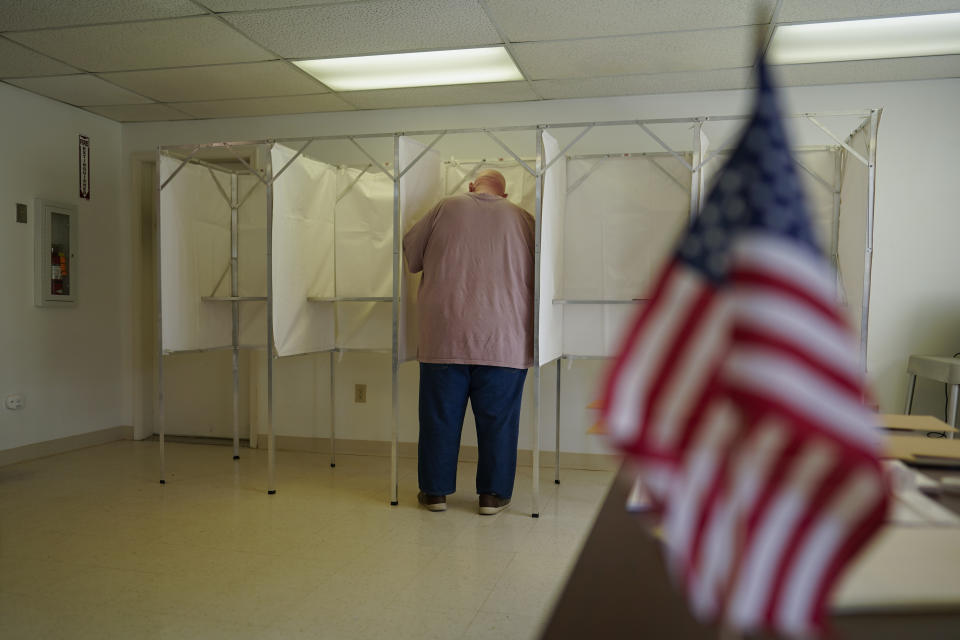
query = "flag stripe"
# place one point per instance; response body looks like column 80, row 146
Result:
column 689, row 493
column 803, row 392
column 630, row 342
column 764, row 544
column 832, row 483
column 753, row 468
column 772, row 285
column 687, row 367
column 777, row 346
column 786, row 261
column 872, row 519
column 805, row 584
column 794, row 321
column 630, row 398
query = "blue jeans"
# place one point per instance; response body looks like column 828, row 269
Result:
column 494, row 394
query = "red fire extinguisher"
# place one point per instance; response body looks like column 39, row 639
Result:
column 56, row 273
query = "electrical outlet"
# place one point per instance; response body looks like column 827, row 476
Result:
column 360, row 393
column 14, row 402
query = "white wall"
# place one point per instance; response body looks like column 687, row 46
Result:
column 68, row 363
column 915, row 306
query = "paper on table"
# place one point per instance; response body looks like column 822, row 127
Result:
column 912, row 423
column 639, row 499
column 913, row 449
column 905, row 568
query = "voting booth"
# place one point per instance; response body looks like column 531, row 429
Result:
column 296, row 249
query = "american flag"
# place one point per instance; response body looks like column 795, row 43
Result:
column 740, row 390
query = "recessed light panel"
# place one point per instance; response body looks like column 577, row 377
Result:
column 418, row 69
column 899, row 37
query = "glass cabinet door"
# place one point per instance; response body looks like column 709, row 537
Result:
column 56, row 228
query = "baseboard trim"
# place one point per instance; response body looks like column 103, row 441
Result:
column 63, row 445
column 568, row 460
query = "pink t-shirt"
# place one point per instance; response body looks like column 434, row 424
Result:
column 476, row 293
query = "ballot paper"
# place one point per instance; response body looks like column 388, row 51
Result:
column 638, row 500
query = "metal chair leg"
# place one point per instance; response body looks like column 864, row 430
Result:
column 952, row 409
column 911, row 387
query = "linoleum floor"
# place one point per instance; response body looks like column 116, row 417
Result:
column 92, row 546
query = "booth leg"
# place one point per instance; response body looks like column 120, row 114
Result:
column 236, row 401
column 535, row 511
column 556, row 471
column 333, row 411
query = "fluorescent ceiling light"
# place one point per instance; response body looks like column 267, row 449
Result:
column 900, row 37
column 419, row 69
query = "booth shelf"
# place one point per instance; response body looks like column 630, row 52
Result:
column 350, row 299
column 614, row 301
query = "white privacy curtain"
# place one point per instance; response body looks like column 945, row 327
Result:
column 252, row 260
column 621, row 224
column 420, row 188
column 852, row 244
column 195, row 255
column 550, row 331
column 521, row 184
column 364, row 254
column 304, row 197
column 815, row 168
column 819, row 163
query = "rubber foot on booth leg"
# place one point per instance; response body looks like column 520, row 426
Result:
column 236, row 457
column 271, row 492
column 534, row 515
column 556, row 482
column 333, row 465
column 394, row 503
column 163, row 482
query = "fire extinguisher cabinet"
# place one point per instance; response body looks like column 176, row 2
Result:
column 56, row 254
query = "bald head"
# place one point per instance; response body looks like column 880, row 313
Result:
column 490, row 181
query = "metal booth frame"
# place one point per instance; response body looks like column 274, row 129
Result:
column 870, row 119
column 187, row 154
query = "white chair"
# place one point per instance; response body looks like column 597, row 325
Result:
column 942, row 369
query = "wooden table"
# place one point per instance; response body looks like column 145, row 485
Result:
column 619, row 588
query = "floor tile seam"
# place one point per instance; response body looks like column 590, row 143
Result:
column 69, row 563
column 260, row 611
column 499, row 581
column 146, row 573
column 470, row 624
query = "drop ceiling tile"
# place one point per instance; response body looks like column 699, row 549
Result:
column 255, row 5
column 264, row 106
column 43, row 14
column 653, row 53
column 815, row 10
column 440, row 96
column 562, row 19
column 868, row 71
column 220, row 82
column 81, row 90
column 382, row 26
column 145, row 45
column 680, row 82
column 20, row 62
column 139, row 113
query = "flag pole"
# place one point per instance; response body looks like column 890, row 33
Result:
column 763, row 34
column 765, row 28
